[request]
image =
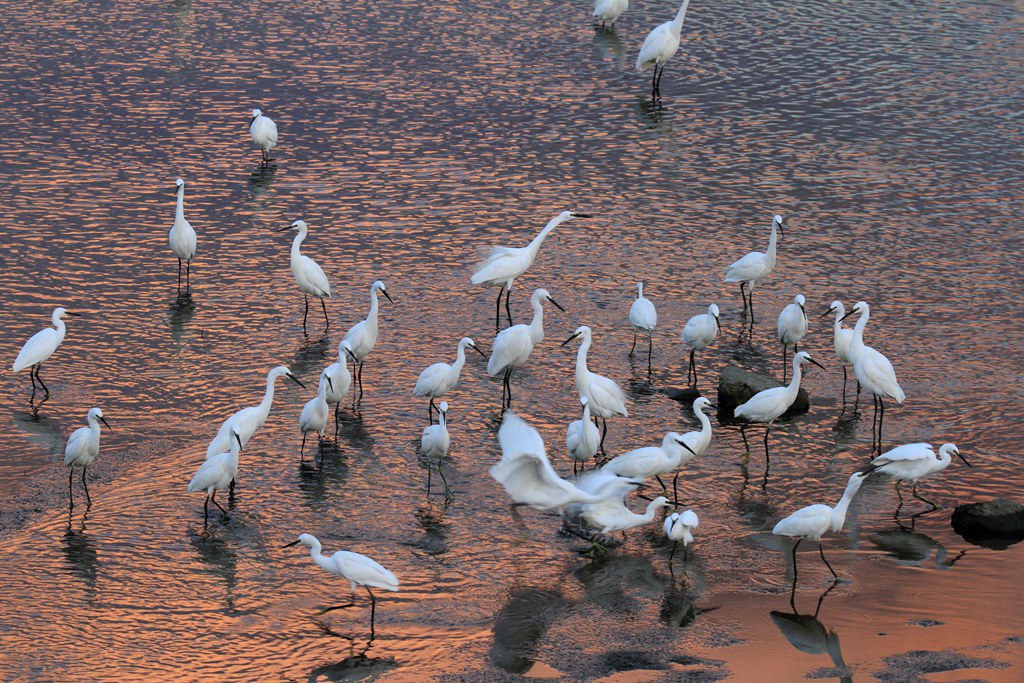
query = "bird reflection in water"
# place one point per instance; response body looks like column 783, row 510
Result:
column 609, row 46
column 357, row 666
column 679, row 600
column 311, row 357
column 261, row 180
column 807, row 634
column 181, row 313
column 317, row 481
column 521, row 623
column 435, row 529
column 220, row 558
column 911, row 547
column 617, row 581
column 80, row 553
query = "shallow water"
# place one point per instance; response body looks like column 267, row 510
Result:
column 413, row 138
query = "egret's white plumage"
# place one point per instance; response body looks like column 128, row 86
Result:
column 583, row 438
column 363, row 335
column 341, row 378
column 609, row 10
column 679, row 528
column 513, row 345
column 792, row 327
column 659, row 46
column 313, row 417
column 308, row 274
column 249, row 419
column 766, row 406
column 698, row 442
column 217, row 472
column 440, row 378
column 698, row 333
column 872, row 368
column 756, row 265
column 649, row 461
column 642, row 316
column 605, row 397
column 915, row 461
column 182, row 236
column 434, row 445
column 842, row 337
column 41, row 346
column 82, row 449
column 264, row 133
column 611, row 514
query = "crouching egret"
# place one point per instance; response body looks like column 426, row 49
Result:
column 698, row 333
column 358, row 569
column 755, row 266
column 679, row 527
column 504, row 264
column 792, row 327
column 182, row 236
column 363, row 335
column 434, row 445
column 643, row 316
column 41, row 346
column 659, row 46
column 605, row 397
column 841, row 338
column 440, row 378
column 582, row 438
column 308, row 274
column 513, row 345
column 915, row 461
column 314, row 414
column 217, row 473
column 264, row 133
column 82, row 448
column 248, row 420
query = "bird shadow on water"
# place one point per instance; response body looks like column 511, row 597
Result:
column 434, row 541
column 521, row 623
column 609, row 45
column 216, row 551
column 261, row 180
column 327, row 471
column 80, row 554
column 357, row 666
column 310, row 357
column 181, row 312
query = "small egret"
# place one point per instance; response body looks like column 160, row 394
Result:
column 513, row 345
column 698, row 333
column 841, row 339
column 217, row 473
column 505, row 264
column 41, row 346
column 813, row 521
column 913, row 462
column 434, row 446
column 767, row 405
column 358, row 569
column 526, row 473
column 679, row 527
column 264, row 133
column 308, row 274
column 642, row 316
column 605, row 396
column 314, row 414
column 612, row 515
column 583, row 438
column 755, row 266
column 609, row 10
column 873, row 370
column 696, row 442
column 182, row 236
column 83, row 447
column 248, row 420
column 650, row 461
column 341, row 378
column 363, row 335
column 440, row 378
column 659, row 47
column 792, row 327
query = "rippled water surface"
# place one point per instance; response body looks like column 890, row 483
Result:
column 413, row 137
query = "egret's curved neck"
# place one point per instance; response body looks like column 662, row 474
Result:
column 837, row 325
column 677, row 23
column 794, row 384
column 857, row 343
column 705, row 424
column 94, row 426
column 639, row 290
column 652, row 509
column 839, row 511
column 268, row 396
column 581, row 361
column 321, row 392
column 314, row 552
column 773, row 238
column 372, row 317
column 297, row 241
column 534, row 246
column 443, row 421
column 537, row 324
column 179, row 211
column 460, row 357
column 61, row 328
column 586, row 414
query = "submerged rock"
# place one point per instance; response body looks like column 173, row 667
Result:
column 736, row 386
column 995, row 524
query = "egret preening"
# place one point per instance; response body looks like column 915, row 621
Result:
column 363, row 335
column 182, row 236
column 766, row 406
column 358, row 569
column 217, row 473
column 913, row 462
column 41, row 346
column 659, row 47
column 248, row 420
column 264, row 133
column 582, row 438
column 755, row 266
column 314, row 414
column 609, row 10
column 83, row 447
column 698, row 333
column 873, row 370
column 841, row 339
column 434, row 446
column 513, row 345
column 440, row 378
column 792, row 327
column 650, row 461
column 309, row 276
column 642, row 316
column 813, row 521
column 605, row 397
column 679, row 527
column 505, row 264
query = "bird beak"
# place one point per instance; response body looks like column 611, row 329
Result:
column 574, row 335
column 816, row 363
column 557, row 305
column 852, row 311
column 103, row 420
column 239, row 440
column 712, row 406
column 386, row 295
column 803, row 310
column 478, row 350
column 352, row 355
column 295, row 542
column 964, row 459
column 718, row 323
column 77, row 315
column 871, row 469
column 296, row 380
column 683, row 444
column 831, row 310
column 781, row 231
column 329, row 382
column 582, row 215
column 287, row 227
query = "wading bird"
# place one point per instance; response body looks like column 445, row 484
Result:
column 698, row 333
column 792, row 327
column 182, row 237
column 363, row 335
column 440, row 378
column 41, row 346
column 582, row 438
column 659, row 46
column 605, row 397
column 248, row 420
column 434, row 445
column 915, row 461
column 841, row 339
column 679, row 527
column 314, row 415
column 308, row 274
column 341, row 379
column 642, row 316
column 609, row 10
column 217, row 473
column 513, row 345
column 755, row 266
column 82, row 448
column 264, row 133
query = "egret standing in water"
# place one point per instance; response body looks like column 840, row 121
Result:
column 513, row 345
column 82, row 448
column 582, row 438
column 755, row 266
column 264, row 133
column 341, row 378
column 504, row 264
column 913, row 462
column 792, row 327
column 358, row 569
column 679, row 527
column 217, row 473
column 609, row 10
column 363, row 335
column 434, row 445
column 698, row 333
column 605, row 396
column 440, row 378
column 309, row 276
column 314, row 415
column 841, row 339
column 41, row 346
column 248, row 420
column 182, row 237
column 659, row 46
column 643, row 316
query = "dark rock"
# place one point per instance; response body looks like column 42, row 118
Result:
column 687, row 396
column 736, row 386
column 995, row 524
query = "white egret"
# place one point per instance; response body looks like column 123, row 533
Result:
column 341, row 378
column 358, row 570
column 650, row 461
column 513, row 345
column 363, row 335
column 308, row 274
column 82, row 448
column 264, row 133
column 440, row 378
column 612, row 515
column 698, row 333
column 813, row 521
column 679, row 527
column 841, row 339
column 755, row 266
column 582, row 438
column 504, row 264
column 696, row 442
column 873, row 370
column 766, row 406
column 605, row 396
column 182, row 236
column 217, row 473
column 41, row 346
column 642, row 316
column 792, row 327
column 913, row 462
column 659, row 46
column 526, row 473
column 609, row 10
column 434, row 445
column 314, row 415
column 248, row 420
